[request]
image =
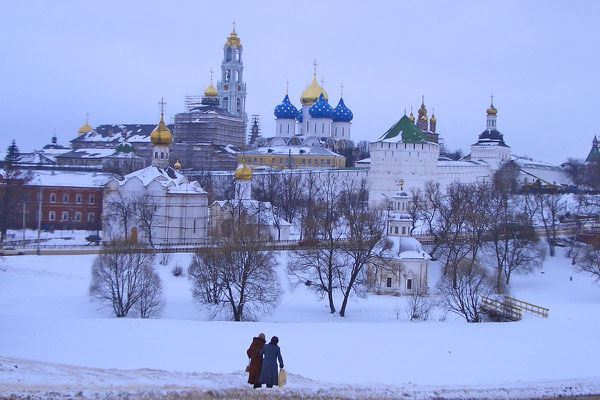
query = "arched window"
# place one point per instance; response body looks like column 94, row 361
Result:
column 226, row 103
column 156, row 154
column 162, row 155
column 227, row 75
column 228, row 54
column 239, row 105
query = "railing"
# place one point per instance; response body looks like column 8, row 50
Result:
column 532, row 308
column 501, row 307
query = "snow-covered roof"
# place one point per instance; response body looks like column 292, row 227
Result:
column 168, row 177
column 87, row 153
column 69, row 178
column 452, row 163
column 255, row 206
column 292, row 150
column 406, row 248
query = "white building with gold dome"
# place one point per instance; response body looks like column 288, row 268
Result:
column 164, row 206
column 225, row 213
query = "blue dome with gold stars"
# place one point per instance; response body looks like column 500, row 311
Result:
column 286, row 109
column 321, row 108
column 341, row 113
column 299, row 117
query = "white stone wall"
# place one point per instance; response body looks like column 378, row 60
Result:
column 340, row 130
column 463, row 172
column 285, row 127
column 391, row 162
column 494, row 155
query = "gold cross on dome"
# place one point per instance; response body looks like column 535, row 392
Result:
column 287, row 85
column 322, row 82
column 401, row 184
column 342, row 89
column 162, row 104
column 315, row 65
column 211, row 74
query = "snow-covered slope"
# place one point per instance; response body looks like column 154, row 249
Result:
column 61, row 342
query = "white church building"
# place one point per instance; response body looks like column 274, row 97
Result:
column 181, row 214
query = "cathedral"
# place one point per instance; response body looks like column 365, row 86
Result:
column 206, row 136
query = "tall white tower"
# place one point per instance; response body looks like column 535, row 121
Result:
column 490, row 146
column 231, row 87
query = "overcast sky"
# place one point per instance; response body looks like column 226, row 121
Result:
column 116, row 59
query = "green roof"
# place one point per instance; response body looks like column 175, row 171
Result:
column 409, row 131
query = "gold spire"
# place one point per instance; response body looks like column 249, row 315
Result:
column 411, row 117
column 243, row 172
column 433, row 118
column 233, row 40
column 492, row 110
column 422, row 111
column 85, row 128
column 161, row 135
column 177, row 165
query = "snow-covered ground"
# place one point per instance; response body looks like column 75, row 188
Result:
column 53, row 339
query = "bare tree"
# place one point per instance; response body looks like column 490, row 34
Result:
column 419, row 305
column 122, row 276
column 463, row 296
column 244, row 284
column 151, row 302
column 589, row 261
column 365, row 232
column 551, row 207
column 144, row 208
column 204, row 273
column 290, row 195
column 118, row 214
column 323, row 223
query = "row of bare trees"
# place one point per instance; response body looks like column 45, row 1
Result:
column 349, row 237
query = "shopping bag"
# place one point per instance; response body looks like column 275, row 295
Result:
column 282, row 378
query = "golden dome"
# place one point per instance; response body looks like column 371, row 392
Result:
column 233, row 40
column 433, row 118
column 411, row 117
column 177, row 165
column 211, row 91
column 492, row 110
column 85, row 129
column 424, row 118
column 243, row 172
column 312, row 93
column 161, row 135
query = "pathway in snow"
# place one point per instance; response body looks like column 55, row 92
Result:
column 25, row 379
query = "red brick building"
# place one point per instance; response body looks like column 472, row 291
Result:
column 69, row 200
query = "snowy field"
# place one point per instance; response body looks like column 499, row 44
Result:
column 55, row 342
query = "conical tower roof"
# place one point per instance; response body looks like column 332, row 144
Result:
column 406, row 131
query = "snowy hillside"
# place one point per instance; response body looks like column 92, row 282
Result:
column 49, row 327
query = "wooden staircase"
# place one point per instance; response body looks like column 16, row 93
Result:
column 511, row 308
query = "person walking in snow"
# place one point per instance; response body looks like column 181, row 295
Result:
column 268, row 374
column 256, row 359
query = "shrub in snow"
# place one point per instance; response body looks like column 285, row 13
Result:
column 419, row 304
column 177, row 270
column 165, row 258
column 124, row 279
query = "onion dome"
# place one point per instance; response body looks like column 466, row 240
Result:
column 321, row 108
column 311, row 94
column 211, row 91
column 161, row 135
column 411, row 117
column 286, row 109
column 422, row 110
column 424, row 118
column 492, row 110
column 177, row 165
column 341, row 113
column 299, row 117
column 85, row 128
column 433, row 118
column 243, row 172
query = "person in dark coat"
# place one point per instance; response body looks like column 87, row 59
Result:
column 271, row 353
column 256, row 359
